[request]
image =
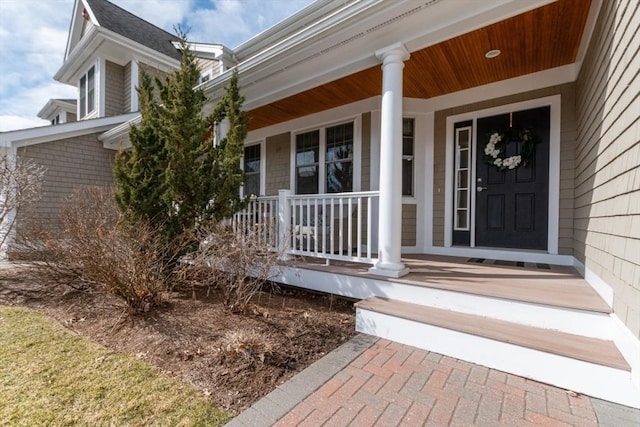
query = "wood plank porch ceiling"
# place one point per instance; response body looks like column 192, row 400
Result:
column 543, row 38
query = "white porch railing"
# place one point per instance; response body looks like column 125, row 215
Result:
column 261, row 217
column 329, row 226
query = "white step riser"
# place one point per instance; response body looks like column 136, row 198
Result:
column 588, row 324
column 594, row 380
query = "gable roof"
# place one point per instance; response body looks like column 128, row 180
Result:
column 118, row 20
column 54, row 104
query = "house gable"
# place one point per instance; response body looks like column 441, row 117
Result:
column 58, row 111
column 108, row 16
column 106, row 48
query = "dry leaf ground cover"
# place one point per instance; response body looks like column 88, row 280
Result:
column 231, row 359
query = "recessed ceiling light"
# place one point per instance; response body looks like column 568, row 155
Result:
column 492, row 53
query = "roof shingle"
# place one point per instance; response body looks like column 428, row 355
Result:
column 134, row 28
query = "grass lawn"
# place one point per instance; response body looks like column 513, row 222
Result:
column 51, row 376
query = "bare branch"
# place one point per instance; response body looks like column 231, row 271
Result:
column 20, row 183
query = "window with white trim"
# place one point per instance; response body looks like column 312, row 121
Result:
column 462, row 177
column 252, row 170
column 325, row 156
column 87, row 93
column 408, row 138
column 307, row 162
column 339, row 159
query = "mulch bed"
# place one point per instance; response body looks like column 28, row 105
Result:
column 193, row 337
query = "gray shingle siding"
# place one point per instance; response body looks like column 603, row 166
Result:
column 71, row 163
column 607, row 158
column 114, row 89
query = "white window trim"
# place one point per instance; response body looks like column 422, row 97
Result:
column 321, row 128
column 470, row 157
column 135, row 77
column 263, row 168
column 97, row 98
column 412, row 199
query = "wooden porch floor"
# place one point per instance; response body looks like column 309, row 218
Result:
column 553, row 285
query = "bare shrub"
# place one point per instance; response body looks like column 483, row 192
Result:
column 238, row 264
column 248, row 346
column 95, row 249
column 20, row 182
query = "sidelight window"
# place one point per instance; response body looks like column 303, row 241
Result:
column 462, row 177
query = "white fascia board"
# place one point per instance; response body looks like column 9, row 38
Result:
column 153, row 57
column 78, row 57
column 72, row 27
column 289, row 44
column 112, row 139
column 52, row 105
column 93, row 17
column 205, row 50
column 92, row 41
column 32, row 136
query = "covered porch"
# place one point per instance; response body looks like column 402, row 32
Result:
column 524, row 316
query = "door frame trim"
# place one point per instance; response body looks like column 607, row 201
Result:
column 553, row 227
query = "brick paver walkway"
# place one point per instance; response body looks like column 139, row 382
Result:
column 393, row 384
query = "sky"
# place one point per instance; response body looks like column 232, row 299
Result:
column 33, row 37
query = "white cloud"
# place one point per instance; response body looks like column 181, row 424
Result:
column 33, row 37
column 32, row 43
column 162, row 13
column 8, row 123
column 28, row 102
column 232, row 22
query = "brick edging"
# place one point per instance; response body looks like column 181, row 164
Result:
column 275, row 405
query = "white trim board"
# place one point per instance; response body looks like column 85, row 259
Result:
column 38, row 135
column 322, row 118
column 522, row 255
column 554, row 102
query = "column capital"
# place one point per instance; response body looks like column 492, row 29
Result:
column 394, row 53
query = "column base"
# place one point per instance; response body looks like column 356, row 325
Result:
column 389, row 270
column 285, row 257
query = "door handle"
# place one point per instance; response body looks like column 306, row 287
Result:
column 480, row 188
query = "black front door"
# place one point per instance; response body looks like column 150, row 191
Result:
column 512, row 204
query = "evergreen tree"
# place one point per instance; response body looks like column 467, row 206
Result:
column 139, row 172
column 228, row 153
column 174, row 176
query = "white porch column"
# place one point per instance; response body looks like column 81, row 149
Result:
column 390, row 211
column 284, row 225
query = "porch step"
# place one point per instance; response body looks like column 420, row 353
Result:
column 583, row 364
column 575, row 346
column 556, row 299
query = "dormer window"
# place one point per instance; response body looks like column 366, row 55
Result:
column 87, row 93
